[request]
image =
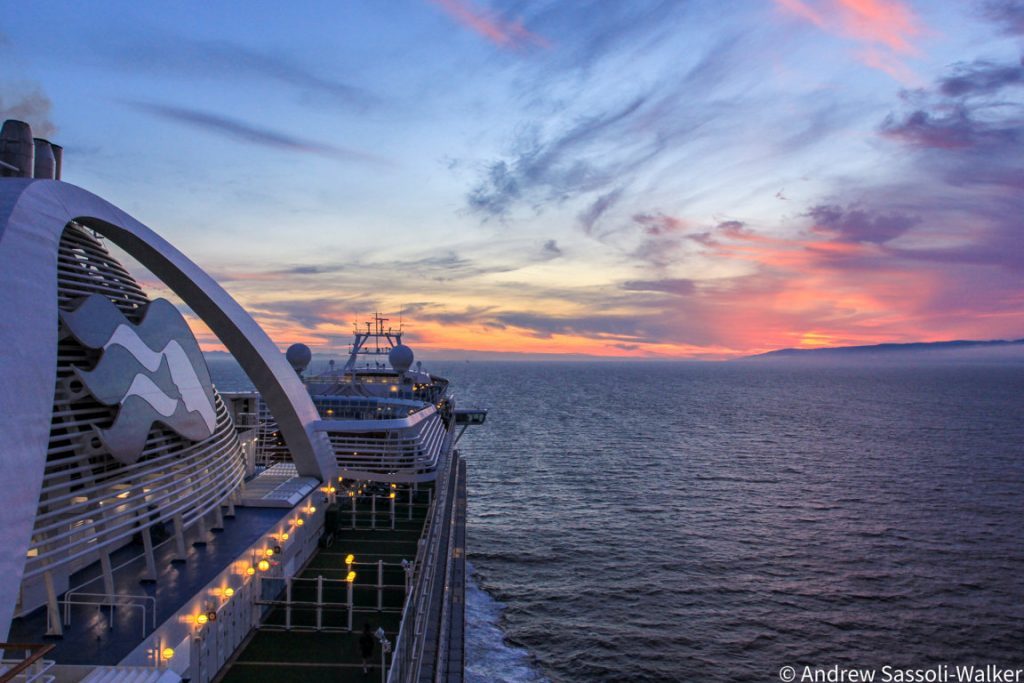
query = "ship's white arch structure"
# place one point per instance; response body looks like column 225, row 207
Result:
column 53, row 482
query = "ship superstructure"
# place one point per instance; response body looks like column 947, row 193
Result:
column 158, row 526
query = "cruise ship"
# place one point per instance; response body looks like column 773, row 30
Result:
column 157, row 529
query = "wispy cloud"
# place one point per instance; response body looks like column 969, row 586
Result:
column 559, row 158
column 1009, row 14
column 231, row 62
column 854, row 224
column 981, row 77
column 551, row 250
column 244, row 132
column 887, row 30
column 678, row 286
column 491, row 25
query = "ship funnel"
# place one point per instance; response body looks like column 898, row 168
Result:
column 17, row 151
column 46, row 160
column 58, row 160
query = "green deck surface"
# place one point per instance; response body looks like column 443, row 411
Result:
column 303, row 654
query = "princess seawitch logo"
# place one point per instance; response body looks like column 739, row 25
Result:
column 153, row 372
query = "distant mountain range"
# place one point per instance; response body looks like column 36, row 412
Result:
column 895, row 350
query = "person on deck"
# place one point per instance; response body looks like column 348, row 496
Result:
column 366, row 647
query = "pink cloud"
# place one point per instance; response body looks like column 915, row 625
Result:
column 887, row 30
column 506, row 34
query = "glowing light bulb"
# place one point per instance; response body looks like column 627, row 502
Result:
column 202, row 619
column 167, row 653
column 312, row 509
column 299, row 522
column 284, row 536
column 263, row 565
column 228, row 592
column 351, row 577
column 269, row 552
column 250, row 571
column 349, row 559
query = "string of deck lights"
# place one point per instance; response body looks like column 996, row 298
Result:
column 263, row 560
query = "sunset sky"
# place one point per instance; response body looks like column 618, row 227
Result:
column 656, row 179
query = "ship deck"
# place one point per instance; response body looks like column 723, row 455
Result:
column 304, row 654
column 94, row 639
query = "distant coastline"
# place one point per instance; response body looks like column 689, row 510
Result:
column 996, row 349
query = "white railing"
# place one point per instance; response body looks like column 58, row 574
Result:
column 32, row 668
column 444, row 632
column 407, row 659
column 111, row 600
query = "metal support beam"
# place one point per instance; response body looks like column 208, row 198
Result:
column 53, row 619
column 203, row 533
column 108, row 581
column 147, row 545
column 180, row 554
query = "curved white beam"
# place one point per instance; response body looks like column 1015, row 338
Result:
column 33, row 214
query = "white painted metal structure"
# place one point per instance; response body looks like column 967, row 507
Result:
column 402, row 450
column 34, row 216
column 90, row 504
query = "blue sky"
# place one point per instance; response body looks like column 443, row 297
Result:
column 693, row 179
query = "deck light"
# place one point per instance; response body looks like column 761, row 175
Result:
column 312, row 509
column 349, row 559
column 391, row 495
column 269, row 552
column 284, row 536
column 351, row 578
column 228, row 592
column 250, row 570
column 263, row 565
column 202, row 619
column 299, row 522
column 167, row 653
column 331, row 489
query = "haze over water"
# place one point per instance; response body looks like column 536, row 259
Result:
column 662, row 521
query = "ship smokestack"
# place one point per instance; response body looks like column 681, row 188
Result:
column 17, row 151
column 46, row 160
column 58, row 160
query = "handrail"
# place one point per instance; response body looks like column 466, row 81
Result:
column 407, row 656
column 108, row 600
column 444, row 632
column 38, row 650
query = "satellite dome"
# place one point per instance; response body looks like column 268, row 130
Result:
column 298, row 356
column 401, row 358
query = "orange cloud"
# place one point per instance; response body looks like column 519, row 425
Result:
column 888, row 30
column 507, row 34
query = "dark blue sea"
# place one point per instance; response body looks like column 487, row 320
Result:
column 718, row 521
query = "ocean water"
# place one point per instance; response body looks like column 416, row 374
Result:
column 718, row 521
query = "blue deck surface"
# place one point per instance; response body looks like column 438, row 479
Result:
column 91, row 640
